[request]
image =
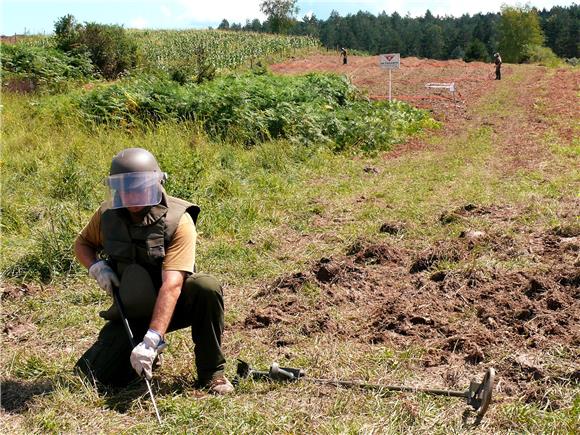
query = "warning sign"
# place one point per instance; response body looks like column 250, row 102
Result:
column 390, row 60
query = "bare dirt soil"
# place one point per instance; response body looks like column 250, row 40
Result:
column 408, row 83
column 399, row 297
column 386, row 294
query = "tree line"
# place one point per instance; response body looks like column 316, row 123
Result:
column 511, row 32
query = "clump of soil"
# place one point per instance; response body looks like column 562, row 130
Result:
column 18, row 330
column 570, row 230
column 466, row 210
column 16, row 291
column 260, row 318
column 290, row 284
column 374, row 253
column 444, row 251
column 393, row 228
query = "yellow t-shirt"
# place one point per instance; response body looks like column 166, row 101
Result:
column 180, row 254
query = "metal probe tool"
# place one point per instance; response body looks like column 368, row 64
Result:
column 132, row 341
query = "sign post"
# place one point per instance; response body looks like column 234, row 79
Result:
column 390, row 61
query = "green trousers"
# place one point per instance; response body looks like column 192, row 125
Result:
column 200, row 306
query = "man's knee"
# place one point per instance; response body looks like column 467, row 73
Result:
column 106, row 362
column 203, row 285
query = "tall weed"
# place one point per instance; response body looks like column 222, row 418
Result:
column 249, row 109
column 29, row 68
column 541, row 55
column 50, row 254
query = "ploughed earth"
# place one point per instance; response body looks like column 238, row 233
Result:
column 471, row 315
column 408, row 83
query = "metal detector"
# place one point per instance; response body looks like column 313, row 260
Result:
column 119, row 303
column 478, row 395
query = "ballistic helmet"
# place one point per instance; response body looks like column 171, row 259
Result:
column 135, row 179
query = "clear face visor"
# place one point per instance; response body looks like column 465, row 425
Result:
column 134, row 189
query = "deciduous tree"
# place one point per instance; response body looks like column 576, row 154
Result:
column 519, row 27
column 281, row 14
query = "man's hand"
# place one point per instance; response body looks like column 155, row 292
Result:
column 105, row 276
column 144, row 354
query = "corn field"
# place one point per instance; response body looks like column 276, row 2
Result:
column 164, row 49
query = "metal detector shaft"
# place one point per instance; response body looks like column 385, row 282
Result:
column 433, row 391
column 293, row 374
column 132, row 341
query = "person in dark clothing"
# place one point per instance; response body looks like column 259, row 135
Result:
column 142, row 242
column 343, row 54
column 497, row 62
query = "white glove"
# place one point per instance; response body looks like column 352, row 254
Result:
column 104, row 275
column 144, row 354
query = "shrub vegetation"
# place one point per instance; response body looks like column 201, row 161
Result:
column 250, row 108
column 42, row 68
column 541, row 55
column 110, row 48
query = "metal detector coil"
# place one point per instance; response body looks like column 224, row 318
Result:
column 479, row 394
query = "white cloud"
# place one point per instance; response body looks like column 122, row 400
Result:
column 138, row 23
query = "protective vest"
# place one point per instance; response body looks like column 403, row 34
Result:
column 126, row 242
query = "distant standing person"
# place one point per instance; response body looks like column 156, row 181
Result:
column 343, row 55
column 497, row 62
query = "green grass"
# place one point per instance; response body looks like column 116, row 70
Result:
column 241, row 191
column 267, row 211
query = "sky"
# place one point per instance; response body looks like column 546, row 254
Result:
column 39, row 16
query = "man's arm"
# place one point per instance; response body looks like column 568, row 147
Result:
column 178, row 262
column 88, row 243
column 166, row 300
column 84, row 252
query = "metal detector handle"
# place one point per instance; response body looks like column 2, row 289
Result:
column 379, row 387
column 278, row 373
column 257, row 374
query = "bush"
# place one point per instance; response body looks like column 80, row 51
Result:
column 540, row 55
column 457, row 53
column 201, row 70
column 67, row 30
column 249, row 109
column 110, row 48
column 45, row 68
column 476, row 51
